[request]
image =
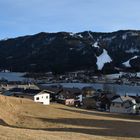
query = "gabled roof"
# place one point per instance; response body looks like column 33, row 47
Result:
column 70, row 93
column 45, row 92
column 72, row 90
column 122, row 99
column 55, row 89
column 16, row 90
column 32, row 91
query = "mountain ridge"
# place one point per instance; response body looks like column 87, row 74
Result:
column 65, row 51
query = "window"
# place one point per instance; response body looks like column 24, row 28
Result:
column 37, row 98
column 46, row 97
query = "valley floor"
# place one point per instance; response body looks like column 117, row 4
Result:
column 22, row 119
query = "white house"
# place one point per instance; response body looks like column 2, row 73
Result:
column 80, row 97
column 123, row 104
column 42, row 97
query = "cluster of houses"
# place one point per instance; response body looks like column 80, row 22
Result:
column 91, row 99
column 128, row 79
column 87, row 97
column 88, row 77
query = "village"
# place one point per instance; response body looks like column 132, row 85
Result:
column 86, row 98
column 70, row 70
column 83, row 76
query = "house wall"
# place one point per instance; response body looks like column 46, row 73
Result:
column 118, row 108
column 69, row 102
column 80, row 98
column 42, row 98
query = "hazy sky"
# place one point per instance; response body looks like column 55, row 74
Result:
column 22, row 17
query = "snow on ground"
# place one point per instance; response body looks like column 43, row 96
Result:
column 75, row 35
column 138, row 74
column 127, row 63
column 102, row 59
column 96, row 45
column 109, row 38
column 71, row 34
column 113, row 76
column 117, row 75
column 71, row 49
column 132, row 50
column 134, row 34
column 124, row 37
column 79, row 35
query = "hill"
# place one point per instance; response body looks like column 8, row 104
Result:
column 25, row 120
column 63, row 51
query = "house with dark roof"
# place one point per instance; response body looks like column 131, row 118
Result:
column 43, row 97
column 21, row 92
column 70, row 96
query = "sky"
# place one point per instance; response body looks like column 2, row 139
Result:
column 24, row 17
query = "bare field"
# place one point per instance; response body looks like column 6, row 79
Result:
column 22, row 119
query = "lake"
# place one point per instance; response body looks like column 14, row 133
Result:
column 119, row 89
column 12, row 76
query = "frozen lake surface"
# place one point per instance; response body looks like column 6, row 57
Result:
column 12, row 76
column 119, row 89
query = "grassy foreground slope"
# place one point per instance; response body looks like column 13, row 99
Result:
column 22, row 119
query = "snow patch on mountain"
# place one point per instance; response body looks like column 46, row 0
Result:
column 71, row 49
column 71, row 34
column 102, row 59
column 132, row 50
column 124, row 37
column 80, row 36
column 127, row 63
column 95, row 45
column 109, row 38
column 76, row 35
column 4, row 39
column 134, row 34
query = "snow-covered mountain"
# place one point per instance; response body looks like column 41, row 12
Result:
column 127, row 63
column 103, row 59
column 64, row 51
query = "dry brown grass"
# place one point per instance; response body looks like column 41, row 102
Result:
column 22, row 119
